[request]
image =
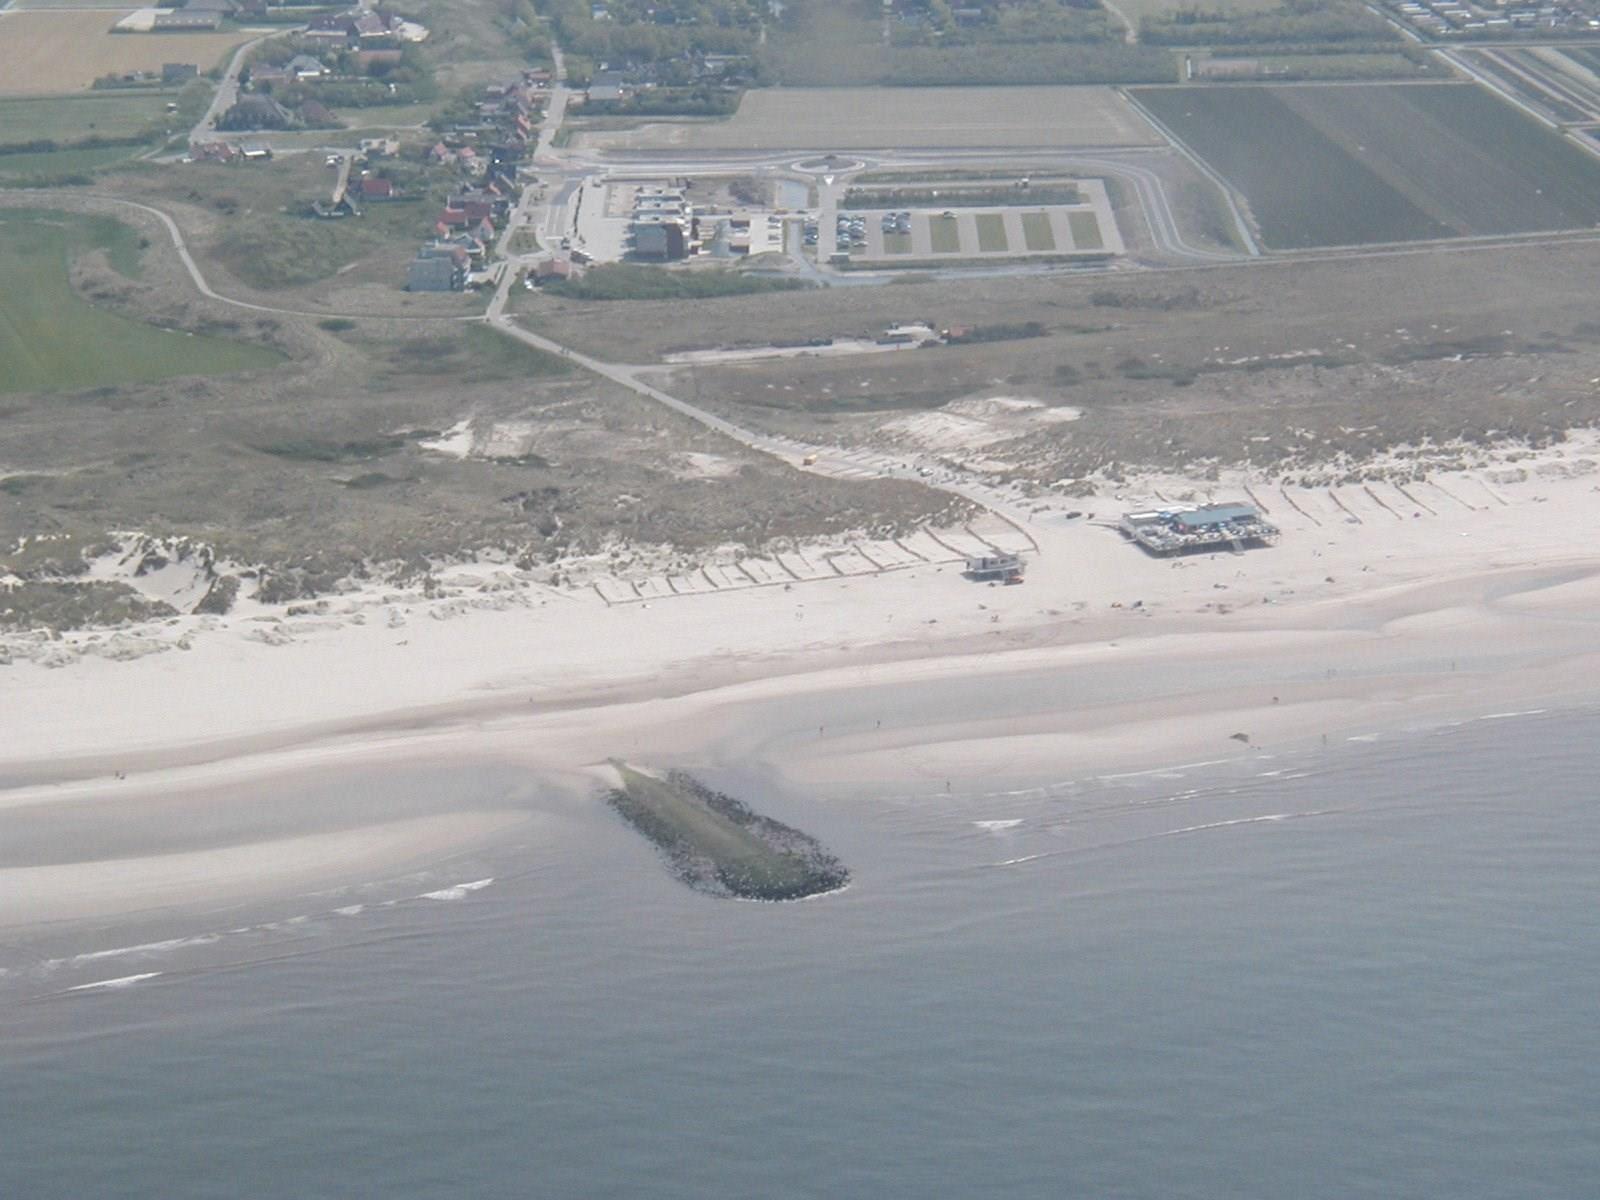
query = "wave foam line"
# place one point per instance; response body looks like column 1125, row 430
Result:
column 458, row 891
column 108, row 984
column 204, row 939
column 1269, row 817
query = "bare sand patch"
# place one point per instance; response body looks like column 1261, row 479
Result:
column 99, row 888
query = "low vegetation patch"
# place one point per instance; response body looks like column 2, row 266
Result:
column 1007, row 332
column 469, row 353
column 961, row 197
column 625, row 281
column 318, row 450
column 717, row 845
column 60, row 605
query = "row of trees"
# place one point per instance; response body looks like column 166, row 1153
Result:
column 669, row 101
column 1300, row 21
column 1029, row 21
column 730, row 28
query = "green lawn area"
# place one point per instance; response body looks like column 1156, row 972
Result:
column 946, row 235
column 53, row 340
column 897, row 243
column 62, row 162
column 1036, row 232
column 121, row 113
column 992, row 233
column 388, row 114
column 1085, row 228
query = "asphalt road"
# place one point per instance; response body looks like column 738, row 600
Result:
column 227, row 92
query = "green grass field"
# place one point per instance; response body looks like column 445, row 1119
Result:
column 992, row 233
column 95, row 114
column 1085, row 228
column 398, row 115
column 946, row 235
column 54, row 164
column 53, row 340
column 1352, row 164
column 1036, row 232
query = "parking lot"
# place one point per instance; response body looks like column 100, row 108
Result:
column 887, row 236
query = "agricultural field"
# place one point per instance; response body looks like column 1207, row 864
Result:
column 56, row 52
column 1343, row 165
column 1562, row 83
column 51, row 339
column 868, row 118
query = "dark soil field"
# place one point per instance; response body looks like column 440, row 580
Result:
column 1356, row 164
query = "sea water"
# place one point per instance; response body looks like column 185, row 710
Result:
column 1367, row 973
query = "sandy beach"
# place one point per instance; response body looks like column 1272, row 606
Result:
column 1381, row 609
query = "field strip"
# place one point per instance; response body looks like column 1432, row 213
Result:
column 1486, row 80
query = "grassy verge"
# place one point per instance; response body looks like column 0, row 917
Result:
column 946, row 235
column 1037, row 233
column 960, row 197
column 992, row 233
column 624, row 281
column 1085, row 228
column 715, row 844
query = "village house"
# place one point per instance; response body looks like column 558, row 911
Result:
column 554, row 270
column 268, row 77
column 437, row 269
column 304, row 68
